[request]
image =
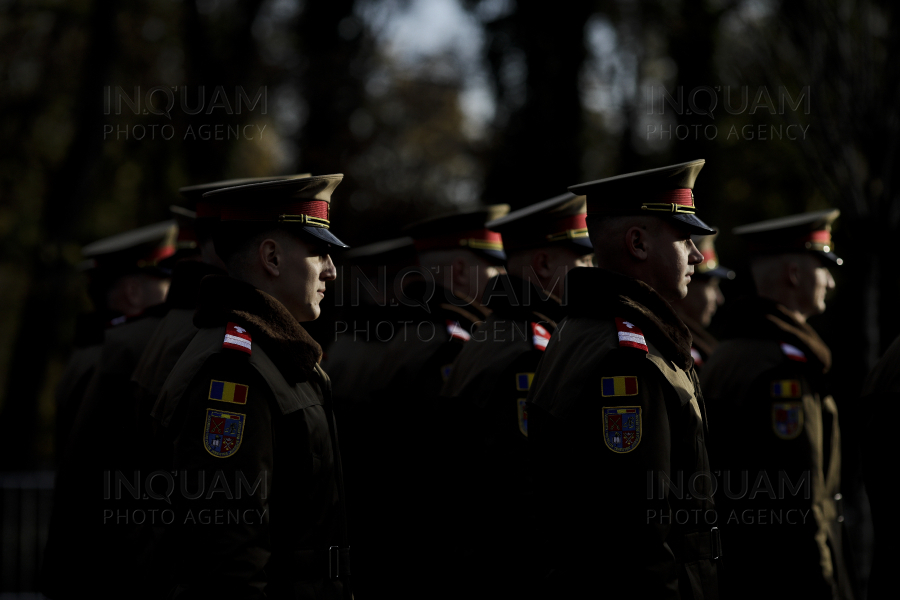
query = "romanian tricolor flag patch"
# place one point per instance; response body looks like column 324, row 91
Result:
column 237, row 338
column 786, row 388
column 619, row 386
column 630, row 335
column 523, row 381
column 226, row 391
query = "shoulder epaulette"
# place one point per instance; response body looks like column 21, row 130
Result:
column 793, row 352
column 630, row 335
column 540, row 337
column 237, row 338
column 698, row 358
column 457, row 332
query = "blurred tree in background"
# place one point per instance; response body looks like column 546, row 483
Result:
column 521, row 103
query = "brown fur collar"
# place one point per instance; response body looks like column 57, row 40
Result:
column 703, row 340
column 223, row 299
column 515, row 298
column 761, row 318
column 603, row 294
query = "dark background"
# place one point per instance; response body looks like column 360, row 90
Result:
column 568, row 91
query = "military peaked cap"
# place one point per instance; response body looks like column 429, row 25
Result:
column 667, row 192
column 807, row 232
column 140, row 249
column 559, row 220
column 466, row 230
column 710, row 266
column 303, row 201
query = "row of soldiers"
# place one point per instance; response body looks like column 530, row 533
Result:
column 518, row 396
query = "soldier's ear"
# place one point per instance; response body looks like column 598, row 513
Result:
column 637, row 242
column 270, row 257
column 792, row 273
column 540, row 264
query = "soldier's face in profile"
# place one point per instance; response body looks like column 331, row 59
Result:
column 306, row 269
column 672, row 259
column 703, row 299
column 814, row 282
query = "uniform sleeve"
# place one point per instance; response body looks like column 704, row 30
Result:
column 223, row 456
column 605, row 533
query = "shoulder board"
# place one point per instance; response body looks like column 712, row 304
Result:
column 540, row 337
column 698, row 358
column 457, row 332
column 793, row 352
column 630, row 335
column 237, row 338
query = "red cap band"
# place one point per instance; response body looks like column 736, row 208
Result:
column 480, row 239
column 312, row 208
column 684, row 197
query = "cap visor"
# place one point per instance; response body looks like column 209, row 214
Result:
column 830, row 258
column 720, row 272
column 583, row 243
column 694, row 224
column 496, row 256
column 325, row 235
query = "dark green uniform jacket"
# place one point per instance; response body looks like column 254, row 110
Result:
column 77, row 375
column 703, row 344
column 485, row 448
column 391, row 386
column 172, row 336
column 83, row 531
column 881, row 403
column 615, row 408
column 248, row 411
column 776, row 441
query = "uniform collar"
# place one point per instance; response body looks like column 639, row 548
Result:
column 760, row 318
column 701, row 338
column 602, row 294
column 224, row 299
column 185, row 288
column 440, row 303
column 514, row 297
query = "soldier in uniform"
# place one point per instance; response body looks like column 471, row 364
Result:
column 176, row 329
column 124, row 280
column 703, row 299
column 370, row 316
column 881, row 398
column 489, row 383
column 396, row 491
column 615, row 408
column 248, row 410
column 126, row 268
column 776, row 438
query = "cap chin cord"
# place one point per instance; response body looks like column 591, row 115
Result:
column 305, row 220
column 668, row 207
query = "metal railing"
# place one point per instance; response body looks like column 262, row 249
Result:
column 25, row 503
